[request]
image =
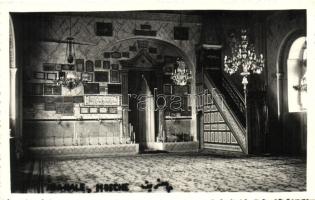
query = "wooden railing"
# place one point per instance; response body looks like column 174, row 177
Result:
column 234, row 99
column 228, row 115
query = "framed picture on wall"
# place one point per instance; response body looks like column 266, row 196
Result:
column 112, row 110
column 98, row 64
column 58, row 67
column 114, row 88
column 103, row 89
column 103, row 29
column 88, row 77
column 103, row 110
column 84, row 110
column 79, row 63
column 89, row 66
column 114, row 76
column 51, row 76
column 101, row 76
column 69, row 67
column 39, row 75
column 106, row 64
column 91, row 88
column 49, row 66
column 93, row 110
column 116, row 54
column 52, row 89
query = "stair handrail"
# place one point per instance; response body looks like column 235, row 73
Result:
column 243, row 145
column 235, row 96
column 225, row 103
column 236, row 91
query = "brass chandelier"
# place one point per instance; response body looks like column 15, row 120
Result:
column 181, row 74
column 243, row 58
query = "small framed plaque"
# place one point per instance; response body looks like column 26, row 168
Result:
column 69, row 67
column 39, row 75
column 58, row 67
column 114, row 76
column 79, row 65
column 112, row 110
column 103, row 29
column 51, row 76
column 98, row 64
column 91, row 88
column 89, row 66
column 101, row 76
column 106, row 64
column 88, row 77
column 93, row 110
column 116, row 54
column 114, row 88
column 84, row 110
column 49, row 67
column 103, row 110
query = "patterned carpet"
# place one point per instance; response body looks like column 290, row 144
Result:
column 176, row 173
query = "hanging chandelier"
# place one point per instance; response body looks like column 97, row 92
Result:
column 69, row 79
column 181, row 74
column 243, row 57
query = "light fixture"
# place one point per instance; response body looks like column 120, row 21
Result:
column 243, row 59
column 70, row 80
column 181, row 75
column 70, row 50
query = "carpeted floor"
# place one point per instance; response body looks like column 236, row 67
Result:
column 176, row 173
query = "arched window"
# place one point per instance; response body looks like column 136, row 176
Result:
column 296, row 69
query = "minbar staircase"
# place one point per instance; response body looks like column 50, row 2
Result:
column 229, row 105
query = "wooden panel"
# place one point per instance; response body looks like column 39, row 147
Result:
column 104, row 100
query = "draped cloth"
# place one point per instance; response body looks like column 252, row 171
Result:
column 146, row 125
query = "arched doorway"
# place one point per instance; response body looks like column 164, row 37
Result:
column 146, row 75
column 292, row 94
